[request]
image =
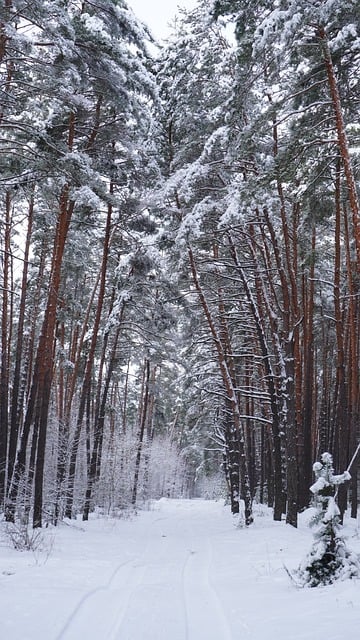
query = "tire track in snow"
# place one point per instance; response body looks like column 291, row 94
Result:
column 204, row 610
column 107, row 610
column 156, row 608
column 163, row 592
column 100, row 601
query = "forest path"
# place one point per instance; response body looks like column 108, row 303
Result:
column 181, row 571
column 165, row 591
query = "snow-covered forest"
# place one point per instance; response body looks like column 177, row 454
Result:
column 180, row 256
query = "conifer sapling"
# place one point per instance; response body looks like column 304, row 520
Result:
column 329, row 558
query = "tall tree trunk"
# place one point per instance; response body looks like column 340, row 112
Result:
column 306, row 454
column 45, row 355
column 100, row 414
column 285, row 352
column 352, row 360
column 4, row 369
column 15, row 415
column 89, row 365
column 342, row 139
column 144, row 403
column 39, row 396
column 341, row 418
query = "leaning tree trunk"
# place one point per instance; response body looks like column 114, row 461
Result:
column 271, row 386
column 229, row 386
column 342, row 139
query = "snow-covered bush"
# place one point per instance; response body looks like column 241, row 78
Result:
column 329, row 558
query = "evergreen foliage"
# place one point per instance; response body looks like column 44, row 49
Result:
column 329, row 558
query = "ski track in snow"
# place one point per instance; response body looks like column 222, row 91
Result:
column 165, row 591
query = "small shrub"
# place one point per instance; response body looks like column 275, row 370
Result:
column 24, row 538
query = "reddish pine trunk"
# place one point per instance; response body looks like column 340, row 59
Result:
column 342, row 140
column 45, row 354
column 88, row 367
column 39, row 395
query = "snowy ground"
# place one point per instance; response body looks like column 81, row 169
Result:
column 181, row 571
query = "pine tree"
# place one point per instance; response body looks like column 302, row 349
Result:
column 200, row 60
column 85, row 119
column 303, row 55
